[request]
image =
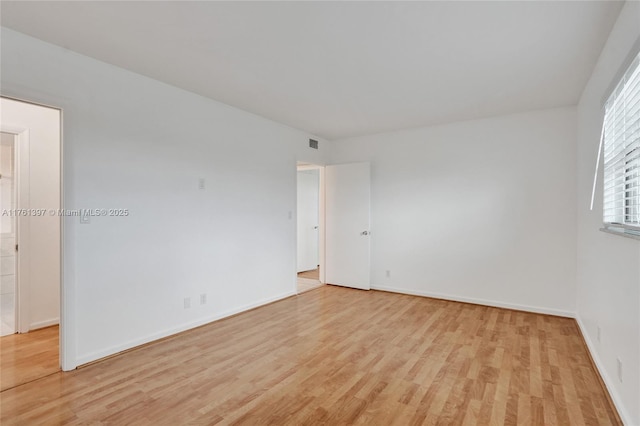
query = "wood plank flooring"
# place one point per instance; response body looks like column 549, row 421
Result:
column 308, row 280
column 305, row 284
column 29, row 356
column 312, row 275
column 337, row 356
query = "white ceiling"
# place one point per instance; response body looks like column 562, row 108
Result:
column 339, row 69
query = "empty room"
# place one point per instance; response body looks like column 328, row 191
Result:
column 300, row 213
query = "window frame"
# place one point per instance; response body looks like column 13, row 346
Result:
column 621, row 200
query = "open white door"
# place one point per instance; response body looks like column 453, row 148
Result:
column 347, row 225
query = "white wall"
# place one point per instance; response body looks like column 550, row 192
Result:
column 479, row 211
column 608, row 279
column 135, row 143
column 39, row 236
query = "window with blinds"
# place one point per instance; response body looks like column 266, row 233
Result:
column 621, row 138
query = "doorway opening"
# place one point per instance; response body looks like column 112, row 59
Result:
column 310, row 227
column 7, row 235
column 30, row 237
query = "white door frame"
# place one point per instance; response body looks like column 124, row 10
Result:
column 321, row 216
column 66, row 356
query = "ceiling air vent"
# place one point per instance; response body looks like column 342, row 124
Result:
column 313, row 143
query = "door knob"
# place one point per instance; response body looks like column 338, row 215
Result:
column 364, row 233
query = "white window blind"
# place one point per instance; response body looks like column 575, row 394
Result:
column 621, row 135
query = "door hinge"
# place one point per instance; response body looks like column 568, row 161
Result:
column 16, row 247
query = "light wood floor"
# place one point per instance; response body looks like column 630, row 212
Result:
column 305, row 284
column 337, row 356
column 308, row 280
column 312, row 275
column 29, row 356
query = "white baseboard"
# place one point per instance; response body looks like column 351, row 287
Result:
column 615, row 397
column 45, row 323
column 493, row 303
column 94, row 356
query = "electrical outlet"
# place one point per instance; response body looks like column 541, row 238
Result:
column 201, row 183
column 290, row 215
column 388, row 273
column 85, row 218
column 187, row 302
column 599, row 335
column 619, row 369
column 203, row 298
